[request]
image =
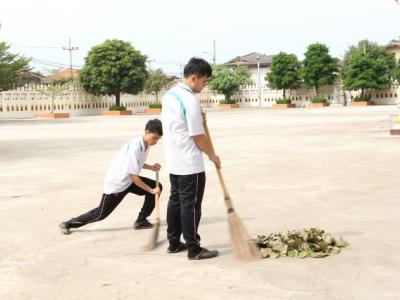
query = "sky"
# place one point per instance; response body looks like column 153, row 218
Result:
column 169, row 32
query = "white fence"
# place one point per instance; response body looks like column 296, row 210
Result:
column 26, row 101
column 250, row 96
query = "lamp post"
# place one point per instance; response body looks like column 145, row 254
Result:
column 335, row 94
column 259, row 79
column 212, row 54
column 395, row 119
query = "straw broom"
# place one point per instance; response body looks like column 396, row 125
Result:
column 242, row 246
column 154, row 233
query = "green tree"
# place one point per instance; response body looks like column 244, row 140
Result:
column 243, row 75
column 156, row 82
column 10, row 66
column 396, row 72
column 374, row 50
column 319, row 67
column 367, row 66
column 112, row 68
column 224, row 81
column 285, row 73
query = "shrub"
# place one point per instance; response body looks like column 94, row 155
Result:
column 227, row 101
column 362, row 98
column 155, row 105
column 115, row 107
column 318, row 99
column 283, row 101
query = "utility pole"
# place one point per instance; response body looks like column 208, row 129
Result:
column 214, row 51
column 70, row 49
column 181, row 68
column 149, row 61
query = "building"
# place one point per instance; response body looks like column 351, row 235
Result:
column 61, row 76
column 394, row 47
column 29, row 77
column 251, row 61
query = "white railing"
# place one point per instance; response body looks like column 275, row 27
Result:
column 25, row 101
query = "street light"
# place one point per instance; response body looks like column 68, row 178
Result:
column 259, row 80
column 208, row 53
column 212, row 54
column 336, row 89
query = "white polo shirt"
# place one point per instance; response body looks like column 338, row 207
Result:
column 181, row 120
column 129, row 160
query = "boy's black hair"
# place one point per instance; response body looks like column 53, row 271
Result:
column 197, row 66
column 154, row 126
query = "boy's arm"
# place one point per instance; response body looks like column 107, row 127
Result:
column 138, row 182
column 202, row 143
column 155, row 167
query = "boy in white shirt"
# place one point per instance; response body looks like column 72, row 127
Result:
column 184, row 144
column 123, row 177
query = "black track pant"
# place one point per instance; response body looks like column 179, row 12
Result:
column 184, row 210
column 110, row 201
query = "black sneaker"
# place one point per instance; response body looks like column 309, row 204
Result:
column 64, row 228
column 204, row 254
column 142, row 225
column 181, row 247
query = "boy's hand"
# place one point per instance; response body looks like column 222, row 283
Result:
column 215, row 159
column 155, row 191
column 156, row 167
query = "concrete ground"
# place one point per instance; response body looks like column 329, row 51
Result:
column 336, row 168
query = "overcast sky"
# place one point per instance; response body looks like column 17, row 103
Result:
column 172, row 31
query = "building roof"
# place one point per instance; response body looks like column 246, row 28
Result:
column 30, row 74
column 250, row 60
column 393, row 44
column 61, row 75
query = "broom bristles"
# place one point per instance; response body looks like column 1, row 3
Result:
column 153, row 238
column 242, row 246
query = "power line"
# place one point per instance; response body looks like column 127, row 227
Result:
column 38, row 60
column 37, row 47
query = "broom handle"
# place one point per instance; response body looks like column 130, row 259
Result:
column 157, row 200
column 227, row 199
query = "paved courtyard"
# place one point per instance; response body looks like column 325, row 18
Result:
column 336, row 168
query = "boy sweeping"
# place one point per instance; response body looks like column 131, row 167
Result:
column 123, row 177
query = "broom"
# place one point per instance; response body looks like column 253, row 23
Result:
column 154, row 233
column 242, row 246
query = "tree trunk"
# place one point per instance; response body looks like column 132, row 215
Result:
column 117, row 98
column 227, row 97
column 316, row 91
column 362, row 92
column 156, row 97
column 284, row 93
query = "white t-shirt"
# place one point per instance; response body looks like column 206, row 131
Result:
column 181, row 120
column 129, row 160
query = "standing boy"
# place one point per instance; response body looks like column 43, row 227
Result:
column 184, row 144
